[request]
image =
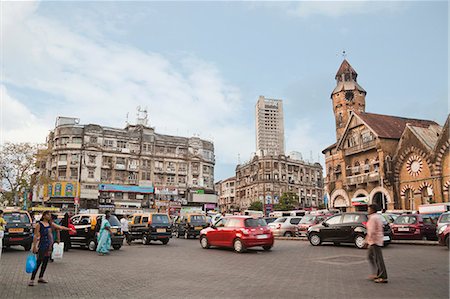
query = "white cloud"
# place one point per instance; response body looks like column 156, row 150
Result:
column 100, row 81
column 300, row 138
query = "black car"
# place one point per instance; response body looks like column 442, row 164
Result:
column 87, row 229
column 18, row 230
column 345, row 228
column 190, row 225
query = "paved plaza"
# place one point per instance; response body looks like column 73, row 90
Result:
column 293, row 269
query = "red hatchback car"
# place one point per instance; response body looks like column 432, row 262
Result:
column 238, row 232
column 414, row 226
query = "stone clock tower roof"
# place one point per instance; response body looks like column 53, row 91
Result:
column 346, row 79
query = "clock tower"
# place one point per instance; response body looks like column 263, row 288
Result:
column 347, row 96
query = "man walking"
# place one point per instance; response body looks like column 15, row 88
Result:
column 124, row 224
column 374, row 240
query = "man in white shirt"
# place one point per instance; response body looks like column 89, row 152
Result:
column 124, row 224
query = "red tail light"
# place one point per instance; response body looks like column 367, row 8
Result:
column 364, row 223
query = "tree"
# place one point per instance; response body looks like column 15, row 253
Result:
column 17, row 166
column 288, row 201
column 256, row 206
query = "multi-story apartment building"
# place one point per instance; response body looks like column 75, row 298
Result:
column 124, row 169
column 269, row 126
column 265, row 178
column 226, row 192
column 391, row 161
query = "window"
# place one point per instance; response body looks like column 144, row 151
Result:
column 366, row 136
column 76, row 140
column 106, row 174
column 131, row 195
column 220, row 222
column 91, row 173
column 120, row 175
column 121, row 144
column 147, row 147
column 64, row 140
column 144, row 220
column 120, row 160
column 405, row 220
column 137, row 219
column 107, row 160
column 145, row 176
column 254, row 222
column 63, row 157
column 73, row 173
column 233, row 222
column 108, row 143
column 353, row 218
column 295, row 220
column 181, row 180
column 93, row 139
column 62, row 173
column 280, row 220
column 334, row 220
column 118, row 195
column 160, row 219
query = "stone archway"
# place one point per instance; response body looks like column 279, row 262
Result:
column 339, row 199
column 380, row 196
column 360, row 205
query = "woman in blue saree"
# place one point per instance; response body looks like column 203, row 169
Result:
column 104, row 235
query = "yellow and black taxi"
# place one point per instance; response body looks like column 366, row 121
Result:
column 18, row 229
column 87, row 229
column 150, row 227
column 190, row 225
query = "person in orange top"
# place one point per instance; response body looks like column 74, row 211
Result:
column 374, row 240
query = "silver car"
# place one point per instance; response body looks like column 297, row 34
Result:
column 285, row 226
column 444, row 220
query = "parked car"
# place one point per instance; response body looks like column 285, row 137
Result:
column 190, row 225
column 444, row 220
column 308, row 221
column 345, row 228
column 270, row 219
column 444, row 235
column 285, row 226
column 87, row 227
column 238, row 232
column 390, row 217
column 414, row 226
column 150, row 227
column 18, row 229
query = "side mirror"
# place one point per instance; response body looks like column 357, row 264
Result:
column 325, row 224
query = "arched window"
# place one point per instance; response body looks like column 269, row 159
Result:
column 426, row 195
column 366, row 166
column 409, row 199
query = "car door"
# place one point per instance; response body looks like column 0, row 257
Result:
column 228, row 233
column 344, row 230
column 329, row 229
column 216, row 233
column 293, row 224
column 429, row 227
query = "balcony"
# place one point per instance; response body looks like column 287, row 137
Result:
column 363, row 178
column 360, row 148
column 132, row 167
column 120, row 167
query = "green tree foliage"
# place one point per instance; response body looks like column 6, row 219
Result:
column 288, row 201
column 256, row 206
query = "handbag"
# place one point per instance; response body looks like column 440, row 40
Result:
column 58, row 250
column 31, row 263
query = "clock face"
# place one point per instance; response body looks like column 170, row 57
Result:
column 349, row 96
column 414, row 165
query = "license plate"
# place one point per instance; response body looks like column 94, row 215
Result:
column 160, row 230
column 15, row 239
column 16, row 230
column 261, row 236
column 403, row 229
column 386, row 238
column 114, row 230
column 198, row 228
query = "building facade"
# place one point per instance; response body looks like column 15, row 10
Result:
column 124, row 169
column 226, row 192
column 367, row 162
column 265, row 178
column 269, row 126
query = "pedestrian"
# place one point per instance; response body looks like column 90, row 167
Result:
column 104, row 235
column 56, row 236
column 374, row 240
column 65, row 237
column 2, row 231
column 43, row 244
column 124, row 224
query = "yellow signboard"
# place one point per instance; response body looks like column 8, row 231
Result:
column 62, row 189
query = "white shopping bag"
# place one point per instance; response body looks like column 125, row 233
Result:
column 58, row 250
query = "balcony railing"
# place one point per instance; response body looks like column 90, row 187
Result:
column 360, row 147
column 363, row 178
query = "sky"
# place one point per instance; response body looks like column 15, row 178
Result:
column 199, row 67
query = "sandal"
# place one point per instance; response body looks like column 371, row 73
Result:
column 381, row 280
column 31, row 283
column 41, row 280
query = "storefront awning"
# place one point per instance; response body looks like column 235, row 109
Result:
column 360, row 201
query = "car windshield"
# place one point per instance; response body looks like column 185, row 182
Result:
column 283, row 219
column 307, row 219
column 255, row 222
column 405, row 220
column 198, row 218
column 445, row 218
column 16, row 218
column 160, row 219
column 114, row 221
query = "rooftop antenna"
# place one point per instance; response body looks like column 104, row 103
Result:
column 344, row 54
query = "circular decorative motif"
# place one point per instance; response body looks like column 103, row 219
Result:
column 414, row 165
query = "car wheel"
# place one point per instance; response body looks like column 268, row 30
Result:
column 204, row 242
column 315, row 240
column 186, row 235
column 238, row 246
column 165, row 241
column 288, row 234
column 145, row 240
column 116, row 246
column 92, row 245
column 26, row 247
column 267, row 247
column 360, row 242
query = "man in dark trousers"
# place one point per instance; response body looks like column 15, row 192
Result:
column 374, row 240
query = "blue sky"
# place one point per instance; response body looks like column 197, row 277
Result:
column 199, row 67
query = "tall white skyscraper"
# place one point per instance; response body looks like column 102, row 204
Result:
column 269, row 126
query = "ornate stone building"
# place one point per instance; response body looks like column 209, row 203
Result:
column 226, row 192
column 373, row 154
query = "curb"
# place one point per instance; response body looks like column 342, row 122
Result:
column 404, row 242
